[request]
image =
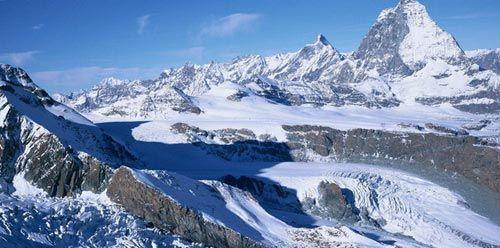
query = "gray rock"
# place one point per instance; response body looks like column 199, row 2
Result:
column 458, row 102
column 236, row 97
column 380, row 48
column 234, row 144
column 465, row 155
column 448, row 130
column 269, row 194
column 57, row 155
column 165, row 213
column 330, row 204
column 489, row 60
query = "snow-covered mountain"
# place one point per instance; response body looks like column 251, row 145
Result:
column 50, row 144
column 488, row 59
column 393, row 145
column 405, row 57
column 404, row 39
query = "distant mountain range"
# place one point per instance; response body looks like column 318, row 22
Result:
column 405, row 57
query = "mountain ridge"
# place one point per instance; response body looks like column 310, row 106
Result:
column 402, row 48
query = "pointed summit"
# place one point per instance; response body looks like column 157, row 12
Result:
column 321, row 39
column 407, row 1
column 404, row 39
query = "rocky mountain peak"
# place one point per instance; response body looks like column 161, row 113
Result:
column 321, row 39
column 112, row 81
column 402, row 2
column 404, row 39
column 15, row 75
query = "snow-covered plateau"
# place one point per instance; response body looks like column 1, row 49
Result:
column 396, row 144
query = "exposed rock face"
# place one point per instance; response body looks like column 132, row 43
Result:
column 404, row 39
column 380, row 48
column 486, row 59
column 446, row 130
column 483, row 102
column 269, row 194
column 463, row 154
column 331, row 203
column 234, row 144
column 55, row 148
column 469, row 156
column 165, row 213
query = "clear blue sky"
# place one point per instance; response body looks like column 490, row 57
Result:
column 71, row 44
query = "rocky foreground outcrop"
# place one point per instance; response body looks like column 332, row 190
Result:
column 166, row 213
column 51, row 145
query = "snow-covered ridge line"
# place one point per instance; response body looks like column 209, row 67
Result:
column 402, row 50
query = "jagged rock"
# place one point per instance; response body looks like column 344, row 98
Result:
column 478, row 126
column 52, row 146
column 330, row 203
column 444, row 129
column 234, row 144
column 486, row 59
column 236, row 97
column 410, row 125
column 269, row 194
column 231, row 135
column 167, row 214
column 482, row 102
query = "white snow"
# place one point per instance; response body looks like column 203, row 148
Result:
column 31, row 219
column 425, row 40
column 68, row 114
column 25, row 188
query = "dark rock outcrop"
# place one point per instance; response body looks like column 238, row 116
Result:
column 330, row 203
column 269, row 194
column 61, row 156
column 166, row 214
column 465, row 102
column 235, row 144
column 489, row 60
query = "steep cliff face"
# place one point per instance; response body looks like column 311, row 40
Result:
column 145, row 199
column 464, row 155
column 50, row 144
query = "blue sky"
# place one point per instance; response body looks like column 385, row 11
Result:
column 66, row 45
